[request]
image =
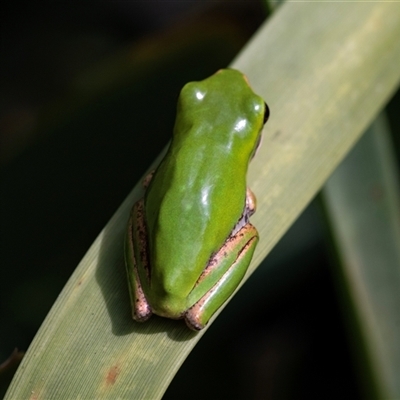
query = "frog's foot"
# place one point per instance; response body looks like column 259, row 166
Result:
column 141, row 310
column 135, row 259
column 229, row 266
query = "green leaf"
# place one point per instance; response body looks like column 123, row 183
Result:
column 362, row 199
column 325, row 70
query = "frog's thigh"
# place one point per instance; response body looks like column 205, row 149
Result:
column 199, row 314
column 135, row 259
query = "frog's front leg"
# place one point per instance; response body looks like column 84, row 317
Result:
column 234, row 257
column 251, row 202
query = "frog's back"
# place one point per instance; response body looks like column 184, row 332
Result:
column 197, row 194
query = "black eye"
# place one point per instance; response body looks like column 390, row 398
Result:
column 266, row 113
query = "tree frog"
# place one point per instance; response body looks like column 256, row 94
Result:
column 189, row 240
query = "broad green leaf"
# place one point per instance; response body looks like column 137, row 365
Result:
column 363, row 203
column 325, row 70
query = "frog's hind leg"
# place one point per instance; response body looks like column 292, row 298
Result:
column 241, row 246
column 136, row 259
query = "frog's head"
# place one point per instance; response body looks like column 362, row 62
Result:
column 223, row 107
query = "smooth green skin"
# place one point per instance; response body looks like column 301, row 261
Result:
column 196, row 198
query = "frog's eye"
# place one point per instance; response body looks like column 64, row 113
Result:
column 266, row 113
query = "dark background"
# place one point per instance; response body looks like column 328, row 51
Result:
column 88, row 94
